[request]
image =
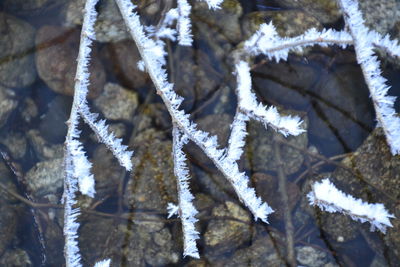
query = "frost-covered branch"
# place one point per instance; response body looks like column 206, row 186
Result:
column 103, row 263
column 326, row 196
column 266, row 41
column 75, row 159
column 185, row 209
column 77, row 166
column 384, row 104
column 106, row 137
column 184, row 25
column 207, row 143
column 268, row 116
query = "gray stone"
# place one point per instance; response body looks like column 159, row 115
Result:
column 224, row 234
column 288, row 23
column 17, row 67
column 144, row 241
column 326, row 11
column 117, row 103
column 44, row 150
column 16, row 143
column 226, row 19
column 16, row 257
column 152, row 185
column 46, row 178
column 311, row 257
column 7, row 104
column 107, row 172
column 109, row 26
column 380, row 15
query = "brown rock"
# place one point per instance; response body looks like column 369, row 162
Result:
column 123, row 57
column 57, row 50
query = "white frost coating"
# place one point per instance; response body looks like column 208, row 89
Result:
column 326, row 196
column 81, row 168
column 384, row 104
column 214, row 4
column 268, row 116
column 74, row 157
column 103, row 263
column 267, row 41
column 209, row 145
column 114, row 144
column 383, row 42
column 186, row 210
column 184, row 27
column 236, row 140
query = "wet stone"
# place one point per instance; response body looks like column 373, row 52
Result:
column 144, row 241
column 226, row 19
column 380, row 15
column 8, row 224
column 46, row 178
column 109, row 26
column 267, row 188
column 107, row 172
column 339, row 227
column 16, row 143
column 29, row 110
column 288, row 23
column 54, row 240
column 152, row 185
column 29, row 7
column 262, row 252
column 16, row 257
column 17, row 68
column 260, row 147
column 57, row 50
column 326, row 11
column 123, row 58
column 228, row 229
column 54, row 118
column 117, row 103
column 7, row 104
column 309, row 256
column 43, row 149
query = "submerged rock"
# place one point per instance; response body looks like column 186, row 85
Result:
column 228, row 229
column 7, row 104
column 288, row 23
column 141, row 241
column 16, row 257
column 117, row 103
column 109, row 26
column 152, row 184
column 326, row 11
column 46, row 178
column 17, row 67
column 260, row 147
column 57, row 50
column 311, row 257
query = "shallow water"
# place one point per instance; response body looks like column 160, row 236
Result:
column 127, row 220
